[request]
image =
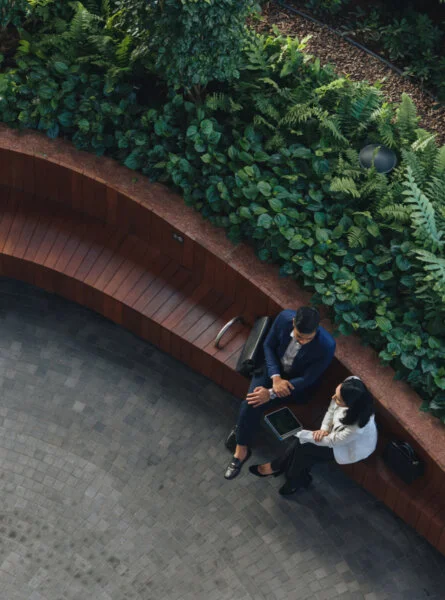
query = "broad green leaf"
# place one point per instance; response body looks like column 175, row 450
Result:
column 265, row 221
column 264, row 188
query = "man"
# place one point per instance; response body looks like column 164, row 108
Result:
column 297, row 351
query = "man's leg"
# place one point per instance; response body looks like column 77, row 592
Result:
column 249, row 417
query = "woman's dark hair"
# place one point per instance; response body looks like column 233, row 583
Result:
column 307, row 319
column 359, row 401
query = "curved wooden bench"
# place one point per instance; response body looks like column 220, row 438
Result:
column 127, row 279
column 89, row 230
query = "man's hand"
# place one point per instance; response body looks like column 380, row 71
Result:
column 282, row 387
column 319, row 434
column 259, row 396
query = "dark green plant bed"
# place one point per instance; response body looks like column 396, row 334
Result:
column 404, row 33
column 265, row 145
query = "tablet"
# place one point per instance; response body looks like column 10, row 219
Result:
column 283, row 423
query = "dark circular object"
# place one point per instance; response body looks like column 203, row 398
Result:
column 383, row 158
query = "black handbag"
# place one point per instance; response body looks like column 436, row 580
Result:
column 403, row 460
column 252, row 355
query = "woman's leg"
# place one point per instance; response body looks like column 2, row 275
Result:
column 279, row 464
column 301, row 457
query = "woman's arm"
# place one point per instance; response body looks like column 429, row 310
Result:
column 339, row 437
column 328, row 419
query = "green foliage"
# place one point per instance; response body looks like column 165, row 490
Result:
column 271, row 156
column 79, row 78
column 420, row 57
column 421, row 53
column 12, row 12
column 326, row 6
column 194, row 41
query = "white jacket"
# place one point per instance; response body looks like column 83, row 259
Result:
column 349, row 442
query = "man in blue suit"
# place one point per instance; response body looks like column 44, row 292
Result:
column 297, row 351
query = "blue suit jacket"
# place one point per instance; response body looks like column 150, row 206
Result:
column 312, row 359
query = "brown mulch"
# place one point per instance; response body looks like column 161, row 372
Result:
column 349, row 60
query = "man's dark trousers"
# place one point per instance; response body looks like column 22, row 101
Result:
column 249, row 417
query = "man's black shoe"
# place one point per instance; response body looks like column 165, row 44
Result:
column 230, row 442
column 235, row 465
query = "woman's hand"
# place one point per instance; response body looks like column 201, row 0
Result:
column 319, row 434
column 282, row 387
column 260, row 395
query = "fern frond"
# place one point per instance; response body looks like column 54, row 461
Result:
column 435, row 191
column 82, row 24
column 397, row 212
column 345, row 185
column 439, row 161
column 422, row 214
column 407, row 119
column 270, row 82
column 276, row 142
column 106, row 9
column 363, row 107
column 123, row 52
column 265, row 106
column 383, row 117
column 357, row 237
column 424, row 140
column 332, row 125
column 435, row 272
column 414, row 164
column 299, row 113
column 375, row 186
column 258, row 120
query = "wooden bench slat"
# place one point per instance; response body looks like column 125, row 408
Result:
column 17, row 225
column 104, row 256
column 168, row 295
column 152, row 283
column 190, row 323
column 187, row 305
column 175, row 301
column 46, row 243
column 26, row 236
column 142, row 279
column 115, row 265
column 214, row 323
column 102, row 237
column 132, row 259
column 57, row 248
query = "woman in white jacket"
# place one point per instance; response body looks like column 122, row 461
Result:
column 348, row 434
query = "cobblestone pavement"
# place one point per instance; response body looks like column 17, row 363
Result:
column 112, row 488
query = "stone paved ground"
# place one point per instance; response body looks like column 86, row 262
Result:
column 111, row 486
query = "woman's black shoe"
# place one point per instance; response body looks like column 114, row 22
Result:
column 235, row 465
column 290, row 487
column 254, row 470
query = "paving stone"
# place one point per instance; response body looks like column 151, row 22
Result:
column 112, row 488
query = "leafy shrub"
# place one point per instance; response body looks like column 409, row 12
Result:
column 194, row 41
column 78, row 77
column 421, row 53
column 412, row 41
column 272, row 156
column 326, row 6
column 12, row 12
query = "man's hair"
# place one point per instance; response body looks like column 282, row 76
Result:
column 307, row 319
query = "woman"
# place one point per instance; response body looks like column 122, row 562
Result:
column 348, row 434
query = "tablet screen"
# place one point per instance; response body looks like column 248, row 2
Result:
column 283, row 420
